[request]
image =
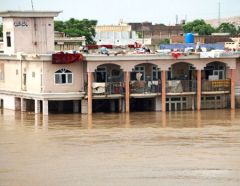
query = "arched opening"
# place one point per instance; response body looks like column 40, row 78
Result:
column 108, row 80
column 215, row 71
column 145, row 87
column 145, row 78
column 216, row 86
column 181, row 77
column 181, row 87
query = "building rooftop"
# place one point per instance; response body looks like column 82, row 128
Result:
column 29, row 13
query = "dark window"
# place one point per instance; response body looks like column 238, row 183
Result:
column 8, row 34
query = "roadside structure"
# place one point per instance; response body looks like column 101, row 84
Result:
column 35, row 78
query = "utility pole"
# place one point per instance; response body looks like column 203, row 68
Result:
column 32, row 4
column 219, row 13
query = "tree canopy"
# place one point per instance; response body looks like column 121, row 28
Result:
column 77, row 28
column 227, row 28
column 198, row 26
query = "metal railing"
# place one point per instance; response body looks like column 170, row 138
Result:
column 180, row 86
column 144, row 87
column 216, row 85
column 108, row 88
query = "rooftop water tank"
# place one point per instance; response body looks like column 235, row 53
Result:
column 189, row 38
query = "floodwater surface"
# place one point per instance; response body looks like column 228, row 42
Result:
column 136, row 149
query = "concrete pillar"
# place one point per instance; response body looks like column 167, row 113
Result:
column 233, row 79
column 75, row 106
column 127, row 92
column 163, row 90
column 17, row 103
column 45, row 107
column 37, row 106
column 23, row 105
column 89, row 92
column 84, row 106
column 158, row 103
column 199, row 89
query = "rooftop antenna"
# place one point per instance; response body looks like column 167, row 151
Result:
column 219, row 13
column 176, row 19
column 32, row 4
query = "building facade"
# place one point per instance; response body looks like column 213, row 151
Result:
column 32, row 80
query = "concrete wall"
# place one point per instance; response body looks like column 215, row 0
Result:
column 13, row 76
column 49, row 70
column 8, row 101
column 29, row 35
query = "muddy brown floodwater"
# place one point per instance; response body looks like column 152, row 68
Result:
column 136, row 149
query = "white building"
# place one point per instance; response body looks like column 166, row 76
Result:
column 120, row 34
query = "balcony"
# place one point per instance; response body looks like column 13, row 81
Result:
column 145, row 87
column 181, row 86
column 107, row 88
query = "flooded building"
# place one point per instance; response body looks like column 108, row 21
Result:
column 35, row 78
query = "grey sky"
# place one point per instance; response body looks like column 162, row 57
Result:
column 111, row 11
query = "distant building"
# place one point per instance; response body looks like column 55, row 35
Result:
column 121, row 34
column 157, row 32
column 67, row 43
column 203, row 39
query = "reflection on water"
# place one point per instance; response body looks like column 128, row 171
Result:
column 144, row 148
column 188, row 119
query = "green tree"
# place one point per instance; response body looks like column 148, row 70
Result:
column 1, row 31
column 198, row 26
column 227, row 28
column 77, row 28
column 165, row 41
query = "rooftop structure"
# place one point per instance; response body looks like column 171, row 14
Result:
column 28, row 31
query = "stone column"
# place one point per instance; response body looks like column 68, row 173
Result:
column 23, row 105
column 75, row 106
column 127, row 92
column 233, row 79
column 45, row 107
column 37, row 106
column 163, row 90
column 89, row 92
column 199, row 89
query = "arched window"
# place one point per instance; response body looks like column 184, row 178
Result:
column 63, row 76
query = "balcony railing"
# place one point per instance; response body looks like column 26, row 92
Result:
column 216, row 85
column 180, row 86
column 108, row 88
column 144, row 87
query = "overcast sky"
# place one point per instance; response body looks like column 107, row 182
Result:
column 111, row 11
